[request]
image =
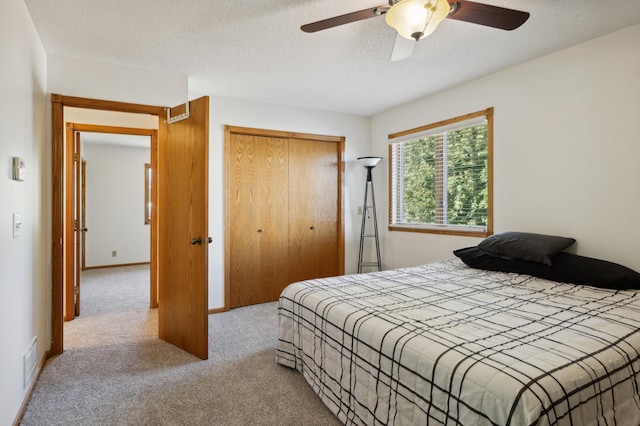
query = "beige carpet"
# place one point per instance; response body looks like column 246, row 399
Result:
column 115, row 371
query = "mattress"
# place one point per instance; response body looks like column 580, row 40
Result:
column 443, row 343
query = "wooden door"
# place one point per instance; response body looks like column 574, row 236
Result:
column 72, row 253
column 257, row 179
column 314, row 225
column 182, row 215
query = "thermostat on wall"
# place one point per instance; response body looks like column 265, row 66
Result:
column 18, row 169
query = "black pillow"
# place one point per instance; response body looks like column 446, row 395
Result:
column 567, row 268
column 525, row 246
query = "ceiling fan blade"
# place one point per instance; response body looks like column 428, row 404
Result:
column 344, row 19
column 487, row 15
column 402, row 48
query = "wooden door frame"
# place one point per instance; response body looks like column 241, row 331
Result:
column 83, row 213
column 76, row 224
column 228, row 130
column 58, row 239
column 77, row 128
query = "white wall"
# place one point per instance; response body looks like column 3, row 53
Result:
column 109, row 118
column 566, row 150
column 225, row 111
column 24, row 261
column 115, row 205
column 77, row 77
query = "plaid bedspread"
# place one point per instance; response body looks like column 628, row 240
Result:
column 446, row 344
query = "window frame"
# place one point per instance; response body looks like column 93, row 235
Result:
column 446, row 229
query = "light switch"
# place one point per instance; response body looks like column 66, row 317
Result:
column 17, row 224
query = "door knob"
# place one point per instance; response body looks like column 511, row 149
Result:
column 84, row 229
column 260, row 230
column 209, row 240
column 312, row 227
column 195, row 241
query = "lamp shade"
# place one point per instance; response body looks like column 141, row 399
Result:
column 416, row 19
column 369, row 161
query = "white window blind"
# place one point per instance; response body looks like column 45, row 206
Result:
column 440, row 177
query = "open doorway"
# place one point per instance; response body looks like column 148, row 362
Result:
column 107, row 118
column 179, row 251
column 112, row 208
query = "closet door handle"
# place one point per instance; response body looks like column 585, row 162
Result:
column 312, row 227
column 260, row 230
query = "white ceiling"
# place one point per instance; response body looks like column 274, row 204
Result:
column 254, row 49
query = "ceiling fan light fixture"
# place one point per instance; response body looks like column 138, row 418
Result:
column 416, row 19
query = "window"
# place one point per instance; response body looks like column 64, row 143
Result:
column 441, row 177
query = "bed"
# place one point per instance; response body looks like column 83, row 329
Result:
column 444, row 343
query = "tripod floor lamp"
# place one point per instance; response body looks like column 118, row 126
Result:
column 369, row 212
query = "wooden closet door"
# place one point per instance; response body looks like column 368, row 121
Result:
column 273, row 193
column 314, row 209
column 258, row 197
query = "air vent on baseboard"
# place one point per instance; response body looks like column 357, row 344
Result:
column 30, row 360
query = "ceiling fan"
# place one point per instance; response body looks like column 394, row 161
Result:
column 415, row 19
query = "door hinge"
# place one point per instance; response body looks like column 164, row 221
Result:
column 76, row 156
column 76, row 290
column 75, row 224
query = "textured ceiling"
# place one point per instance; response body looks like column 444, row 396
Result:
column 254, row 49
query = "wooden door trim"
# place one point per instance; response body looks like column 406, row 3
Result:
column 83, row 214
column 77, row 225
column 68, row 218
column 95, row 128
column 57, row 224
column 104, row 105
column 230, row 130
column 58, row 239
column 153, row 148
column 227, row 213
column 341, row 253
column 153, row 258
column 282, row 134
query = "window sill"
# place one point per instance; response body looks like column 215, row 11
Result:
column 445, row 230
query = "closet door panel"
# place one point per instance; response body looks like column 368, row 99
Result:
column 259, row 203
column 302, row 193
column 313, row 216
column 244, row 210
column 327, row 209
column 272, row 186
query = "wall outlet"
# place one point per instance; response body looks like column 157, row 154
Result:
column 114, row 253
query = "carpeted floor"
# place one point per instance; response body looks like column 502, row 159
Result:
column 115, row 371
